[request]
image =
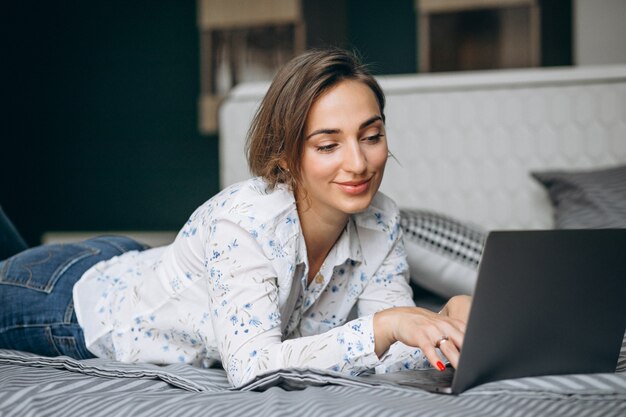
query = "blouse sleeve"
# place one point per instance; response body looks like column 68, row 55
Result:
column 389, row 287
column 245, row 315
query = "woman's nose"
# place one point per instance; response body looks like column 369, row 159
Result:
column 354, row 159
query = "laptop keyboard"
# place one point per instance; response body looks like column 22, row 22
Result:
column 419, row 378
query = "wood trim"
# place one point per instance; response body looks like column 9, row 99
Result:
column 425, row 8
column 447, row 6
column 299, row 43
column 208, row 106
column 221, row 14
column 535, row 35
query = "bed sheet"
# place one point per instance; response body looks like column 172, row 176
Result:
column 32, row 385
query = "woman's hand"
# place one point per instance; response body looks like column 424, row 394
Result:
column 458, row 307
column 424, row 329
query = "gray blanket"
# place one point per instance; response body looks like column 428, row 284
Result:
column 32, row 385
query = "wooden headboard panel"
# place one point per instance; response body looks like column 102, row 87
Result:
column 466, row 142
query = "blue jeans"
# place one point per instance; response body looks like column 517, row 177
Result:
column 36, row 306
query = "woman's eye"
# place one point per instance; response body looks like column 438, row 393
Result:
column 326, row 148
column 374, row 138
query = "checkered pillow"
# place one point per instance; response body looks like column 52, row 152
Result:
column 443, row 253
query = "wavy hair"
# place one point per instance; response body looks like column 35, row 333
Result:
column 276, row 136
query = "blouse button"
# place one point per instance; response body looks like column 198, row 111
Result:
column 319, row 278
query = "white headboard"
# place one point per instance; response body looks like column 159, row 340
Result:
column 466, row 142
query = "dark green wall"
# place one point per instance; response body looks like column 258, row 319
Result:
column 381, row 32
column 101, row 127
column 384, row 32
column 556, row 33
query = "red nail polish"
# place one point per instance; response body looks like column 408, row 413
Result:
column 441, row 366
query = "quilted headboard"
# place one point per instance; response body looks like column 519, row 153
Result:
column 466, row 142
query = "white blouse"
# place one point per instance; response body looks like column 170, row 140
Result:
column 233, row 287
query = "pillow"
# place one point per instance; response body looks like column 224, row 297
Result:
column 586, row 199
column 443, row 253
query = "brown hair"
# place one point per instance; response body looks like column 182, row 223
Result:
column 276, row 135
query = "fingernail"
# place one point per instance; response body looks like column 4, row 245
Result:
column 441, row 366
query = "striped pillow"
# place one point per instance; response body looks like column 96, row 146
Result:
column 443, row 253
column 586, row 199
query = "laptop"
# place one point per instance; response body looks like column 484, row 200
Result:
column 546, row 302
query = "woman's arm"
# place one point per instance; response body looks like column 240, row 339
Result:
column 246, row 318
column 396, row 318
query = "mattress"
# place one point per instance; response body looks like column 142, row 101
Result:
column 32, row 385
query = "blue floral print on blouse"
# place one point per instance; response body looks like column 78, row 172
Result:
column 232, row 287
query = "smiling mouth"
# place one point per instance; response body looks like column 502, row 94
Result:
column 354, row 187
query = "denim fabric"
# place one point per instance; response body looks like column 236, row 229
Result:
column 36, row 307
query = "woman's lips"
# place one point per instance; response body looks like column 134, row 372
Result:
column 354, row 187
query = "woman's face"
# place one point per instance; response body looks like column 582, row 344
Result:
column 344, row 152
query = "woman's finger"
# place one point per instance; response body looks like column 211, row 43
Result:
column 427, row 331
column 431, row 354
column 454, row 332
column 447, row 336
column 447, row 349
column 450, row 351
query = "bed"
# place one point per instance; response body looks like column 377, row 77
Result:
column 475, row 152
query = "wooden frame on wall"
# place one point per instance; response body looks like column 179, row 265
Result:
column 515, row 42
column 243, row 40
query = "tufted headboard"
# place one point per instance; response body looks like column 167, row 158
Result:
column 466, row 142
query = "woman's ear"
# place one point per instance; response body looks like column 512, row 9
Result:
column 283, row 165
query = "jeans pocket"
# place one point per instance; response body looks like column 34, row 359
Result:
column 67, row 344
column 39, row 268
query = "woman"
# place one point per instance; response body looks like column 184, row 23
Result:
column 265, row 274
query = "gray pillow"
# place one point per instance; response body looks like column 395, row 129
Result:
column 443, row 253
column 587, row 199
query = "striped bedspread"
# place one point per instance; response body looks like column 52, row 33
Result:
column 39, row 386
